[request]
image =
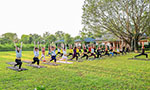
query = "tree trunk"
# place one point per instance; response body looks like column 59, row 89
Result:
column 136, row 45
column 132, row 45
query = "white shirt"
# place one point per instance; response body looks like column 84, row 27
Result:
column 92, row 50
column 117, row 50
column 36, row 53
column 19, row 54
column 64, row 52
column 53, row 53
column 58, row 50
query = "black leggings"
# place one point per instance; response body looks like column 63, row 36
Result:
column 123, row 52
column 53, row 58
column 18, row 63
column 78, row 54
column 142, row 54
column 58, row 53
column 61, row 54
column 36, row 60
column 99, row 55
column 75, row 55
column 115, row 53
column 85, row 55
column 69, row 54
column 92, row 54
column 106, row 54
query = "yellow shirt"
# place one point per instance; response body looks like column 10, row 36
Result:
column 77, row 50
column 61, row 51
column 71, row 50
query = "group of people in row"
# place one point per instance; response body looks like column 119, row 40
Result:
column 76, row 52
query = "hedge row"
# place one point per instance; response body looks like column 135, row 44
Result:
column 11, row 47
column 29, row 47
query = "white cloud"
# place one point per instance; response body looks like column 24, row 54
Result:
column 38, row 16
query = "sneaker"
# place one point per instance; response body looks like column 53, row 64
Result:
column 38, row 66
column 30, row 63
column 19, row 69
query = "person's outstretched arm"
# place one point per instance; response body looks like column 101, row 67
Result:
column 38, row 44
column 44, row 46
column 21, row 45
column 142, row 45
column 15, row 45
column 34, row 46
column 41, row 47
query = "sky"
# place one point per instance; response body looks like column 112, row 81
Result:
column 39, row 16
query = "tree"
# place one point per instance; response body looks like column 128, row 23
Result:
column 126, row 19
column 77, row 37
column 25, row 39
column 46, row 34
column 30, row 38
column 89, row 34
column 5, row 41
column 59, row 35
column 10, row 37
column 51, row 38
column 35, row 37
column 68, row 39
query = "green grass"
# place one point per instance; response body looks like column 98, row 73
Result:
column 105, row 74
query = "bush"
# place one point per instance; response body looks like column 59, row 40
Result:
column 7, row 47
column 11, row 47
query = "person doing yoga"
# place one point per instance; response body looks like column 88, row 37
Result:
column 18, row 56
column 143, row 52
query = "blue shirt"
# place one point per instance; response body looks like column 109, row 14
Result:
column 19, row 54
column 53, row 53
column 36, row 53
column 75, row 52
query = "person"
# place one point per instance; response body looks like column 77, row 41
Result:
column 64, row 57
column 36, row 55
column 89, row 48
column 75, row 54
column 85, row 53
column 18, row 56
column 95, row 49
column 99, row 52
column 143, row 52
column 70, row 52
column 77, row 51
column 58, row 51
column 92, row 52
column 43, row 53
column 80, row 50
column 102, row 49
column 61, row 52
column 122, row 49
column 114, row 49
column 118, row 51
column 111, row 51
column 53, row 54
column 49, row 51
column 106, row 51
column 127, row 49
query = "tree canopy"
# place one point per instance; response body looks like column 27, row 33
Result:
column 126, row 19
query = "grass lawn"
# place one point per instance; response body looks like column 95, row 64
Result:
column 108, row 73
